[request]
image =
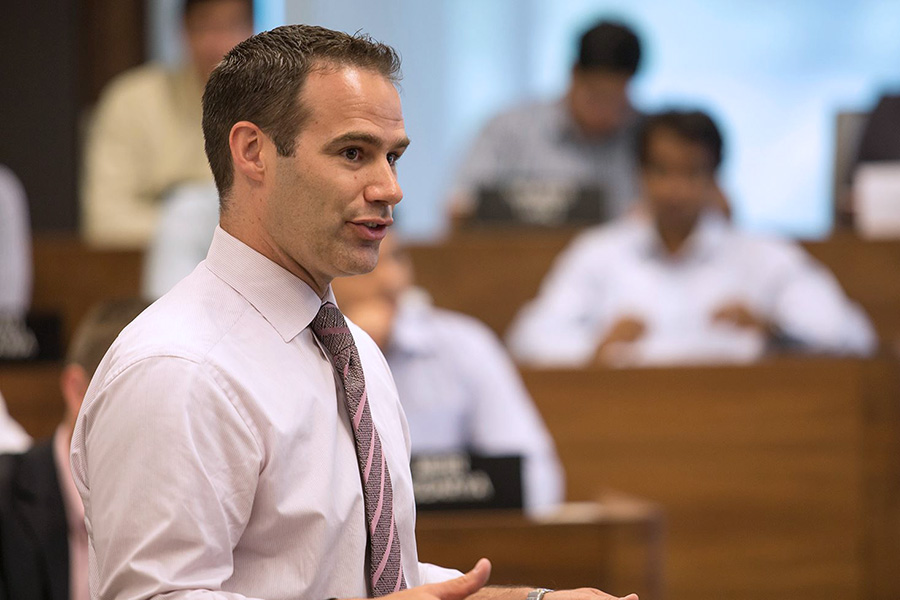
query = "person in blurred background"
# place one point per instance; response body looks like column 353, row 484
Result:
column 677, row 283
column 145, row 141
column 181, row 240
column 584, row 138
column 42, row 531
column 879, row 148
column 459, row 389
column 16, row 340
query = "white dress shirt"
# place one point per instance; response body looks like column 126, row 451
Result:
column 460, row 391
column 214, row 454
column 15, row 248
column 622, row 270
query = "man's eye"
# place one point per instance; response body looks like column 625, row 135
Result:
column 351, row 153
column 393, row 158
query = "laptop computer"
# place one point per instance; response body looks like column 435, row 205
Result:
column 540, row 204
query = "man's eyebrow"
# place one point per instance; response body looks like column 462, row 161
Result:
column 361, row 137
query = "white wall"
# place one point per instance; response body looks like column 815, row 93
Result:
column 772, row 71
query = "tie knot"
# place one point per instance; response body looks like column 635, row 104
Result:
column 332, row 330
column 328, row 317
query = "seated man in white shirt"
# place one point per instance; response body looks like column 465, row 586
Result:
column 677, row 283
column 459, row 389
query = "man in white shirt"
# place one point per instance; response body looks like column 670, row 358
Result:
column 585, row 138
column 219, row 450
column 677, row 283
column 459, row 389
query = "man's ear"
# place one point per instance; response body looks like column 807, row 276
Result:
column 248, row 151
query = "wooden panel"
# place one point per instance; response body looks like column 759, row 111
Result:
column 487, row 274
column 614, row 545
column 869, row 271
column 113, row 39
column 776, row 480
column 69, row 278
column 32, row 396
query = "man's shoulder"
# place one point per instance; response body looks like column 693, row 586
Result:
column 457, row 324
column 449, row 330
column 141, row 79
column 618, row 235
column 146, row 85
column 764, row 247
column 186, row 323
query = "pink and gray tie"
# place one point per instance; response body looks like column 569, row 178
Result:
column 385, row 568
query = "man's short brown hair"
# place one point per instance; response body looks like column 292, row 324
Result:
column 260, row 81
column 99, row 329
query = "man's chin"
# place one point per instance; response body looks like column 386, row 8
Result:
column 360, row 264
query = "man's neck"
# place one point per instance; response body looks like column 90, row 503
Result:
column 674, row 237
column 272, row 252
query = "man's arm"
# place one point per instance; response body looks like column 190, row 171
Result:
column 471, row 586
column 168, row 469
column 810, row 307
column 505, row 420
column 563, row 325
column 521, row 593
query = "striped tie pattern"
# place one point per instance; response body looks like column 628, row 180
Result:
column 385, row 568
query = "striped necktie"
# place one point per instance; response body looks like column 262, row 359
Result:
column 385, row 568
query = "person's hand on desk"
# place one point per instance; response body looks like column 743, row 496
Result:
column 452, row 589
column 471, row 585
column 739, row 315
column 625, row 331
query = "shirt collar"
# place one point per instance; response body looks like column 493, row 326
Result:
column 703, row 243
column 282, row 298
column 569, row 131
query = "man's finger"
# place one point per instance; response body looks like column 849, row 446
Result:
column 468, row 584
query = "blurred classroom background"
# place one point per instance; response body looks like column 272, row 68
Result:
column 779, row 478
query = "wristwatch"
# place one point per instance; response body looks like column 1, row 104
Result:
column 537, row 594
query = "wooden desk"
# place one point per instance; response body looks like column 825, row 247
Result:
column 488, row 274
column 614, row 545
column 869, row 271
column 778, row 481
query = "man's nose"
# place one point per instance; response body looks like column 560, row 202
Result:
column 384, row 186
